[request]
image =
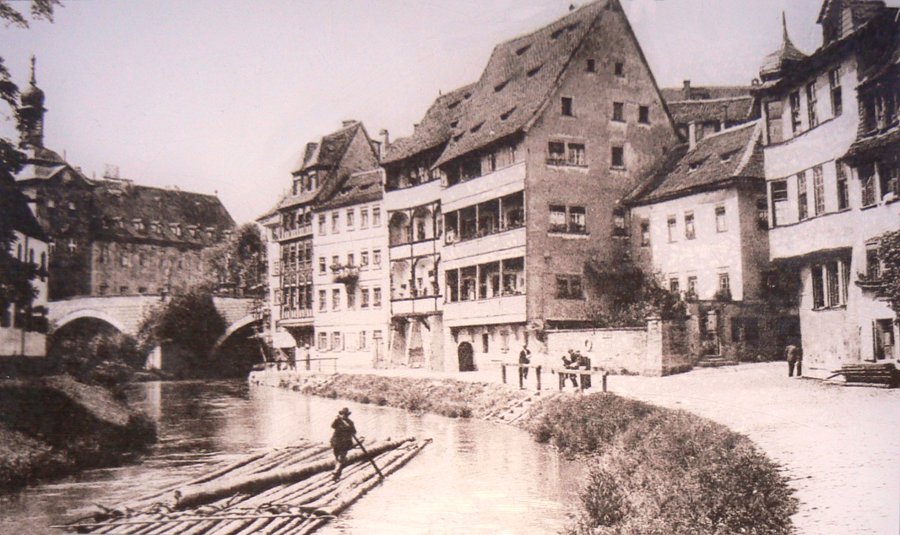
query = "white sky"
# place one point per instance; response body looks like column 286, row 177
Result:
column 220, row 95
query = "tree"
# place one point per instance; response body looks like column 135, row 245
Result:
column 889, row 284
column 238, row 266
column 188, row 321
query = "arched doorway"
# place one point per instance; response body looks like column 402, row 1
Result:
column 466, row 354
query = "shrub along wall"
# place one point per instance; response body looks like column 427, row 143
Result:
column 657, row 471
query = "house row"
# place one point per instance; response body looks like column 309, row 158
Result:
column 451, row 248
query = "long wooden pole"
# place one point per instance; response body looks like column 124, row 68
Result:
column 371, row 460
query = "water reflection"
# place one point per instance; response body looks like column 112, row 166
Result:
column 475, row 477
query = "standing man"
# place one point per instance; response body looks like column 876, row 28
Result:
column 305, row 355
column 524, row 358
column 341, row 440
column 794, row 355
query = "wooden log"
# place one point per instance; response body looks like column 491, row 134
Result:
column 209, row 492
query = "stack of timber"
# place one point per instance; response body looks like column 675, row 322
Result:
column 288, row 491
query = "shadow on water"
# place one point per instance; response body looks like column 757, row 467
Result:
column 475, row 477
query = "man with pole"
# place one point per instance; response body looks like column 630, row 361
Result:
column 344, row 439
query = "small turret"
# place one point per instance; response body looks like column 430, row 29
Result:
column 774, row 64
column 31, row 114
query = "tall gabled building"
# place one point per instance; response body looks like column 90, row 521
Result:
column 829, row 165
column 559, row 126
column 323, row 168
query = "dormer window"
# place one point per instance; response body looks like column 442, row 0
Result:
column 499, row 87
column 521, row 50
column 505, row 115
column 138, row 224
column 176, row 229
column 534, row 70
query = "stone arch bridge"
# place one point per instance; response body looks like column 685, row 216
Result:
column 125, row 312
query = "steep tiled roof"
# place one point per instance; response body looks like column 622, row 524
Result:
column 861, row 9
column 121, row 201
column 359, row 188
column 517, row 80
column 716, row 160
column 326, row 156
column 676, row 94
column 433, row 130
column 731, row 109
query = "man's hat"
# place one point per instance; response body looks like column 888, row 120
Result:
column 344, row 412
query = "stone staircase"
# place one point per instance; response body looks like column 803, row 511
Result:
column 714, row 361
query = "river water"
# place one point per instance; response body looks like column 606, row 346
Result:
column 476, row 477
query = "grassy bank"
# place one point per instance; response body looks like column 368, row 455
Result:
column 658, row 471
column 447, row 397
column 55, row 425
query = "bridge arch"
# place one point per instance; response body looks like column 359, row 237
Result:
column 233, row 328
column 89, row 313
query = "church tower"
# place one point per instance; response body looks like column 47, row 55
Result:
column 31, row 114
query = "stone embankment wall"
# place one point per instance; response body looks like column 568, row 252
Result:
column 56, row 425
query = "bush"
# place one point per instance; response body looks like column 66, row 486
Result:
column 658, row 471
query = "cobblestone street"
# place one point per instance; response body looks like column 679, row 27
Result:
column 840, row 446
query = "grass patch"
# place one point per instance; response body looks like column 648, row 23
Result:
column 656, row 471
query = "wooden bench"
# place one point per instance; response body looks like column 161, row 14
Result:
column 869, row 374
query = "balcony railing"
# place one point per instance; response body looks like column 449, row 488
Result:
column 344, row 274
column 284, row 234
column 451, row 236
column 296, row 313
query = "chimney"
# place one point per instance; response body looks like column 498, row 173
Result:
column 686, row 90
column 385, row 137
column 348, row 122
column 692, row 135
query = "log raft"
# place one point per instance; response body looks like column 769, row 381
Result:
column 283, row 492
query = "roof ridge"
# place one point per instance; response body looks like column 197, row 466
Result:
column 708, row 100
column 545, row 26
column 750, row 148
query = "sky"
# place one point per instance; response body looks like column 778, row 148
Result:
column 220, row 96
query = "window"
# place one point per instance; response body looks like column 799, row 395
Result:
column 362, row 340
column 673, row 285
column 556, row 152
column 832, row 280
column 364, row 298
column 376, row 297
column 818, row 287
column 802, row 194
column 843, row 195
column 890, row 179
column 123, row 290
column 873, row 263
column 364, row 259
column 376, row 216
column 829, row 284
column 322, row 267
column 721, row 223
column 323, row 304
column 644, row 114
column 363, row 217
column 645, row 233
column 619, row 68
column 376, row 258
column 818, row 190
column 779, row 196
column 618, row 157
column 692, row 286
column 577, row 219
column 671, row 224
column 567, row 106
column 323, row 342
column 724, row 283
column 591, row 66
column 568, row 287
column 762, row 213
column 774, row 112
column 557, row 218
column 811, row 104
column 351, row 299
column 124, row 260
column 689, row 226
column 351, row 218
column 351, row 259
column 795, row 111
column 619, row 222
column 834, row 81
column 618, row 112
column 576, row 154
column 335, row 222
column 867, row 184
column 322, row 229
column 335, row 261
column 336, row 299
column 337, row 342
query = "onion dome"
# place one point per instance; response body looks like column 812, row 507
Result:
column 32, row 96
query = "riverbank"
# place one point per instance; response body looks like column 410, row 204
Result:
column 54, row 426
column 652, row 470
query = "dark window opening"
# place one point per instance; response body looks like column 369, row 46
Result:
column 618, row 112
column 618, row 157
column 644, row 114
column 567, row 106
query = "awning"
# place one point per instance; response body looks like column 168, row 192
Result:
column 283, row 339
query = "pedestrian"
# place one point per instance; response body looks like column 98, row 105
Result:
column 292, row 359
column 794, row 355
column 584, row 363
column 305, row 356
column 341, row 440
column 524, row 359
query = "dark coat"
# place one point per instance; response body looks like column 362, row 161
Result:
column 342, row 438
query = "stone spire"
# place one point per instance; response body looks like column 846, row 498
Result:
column 31, row 113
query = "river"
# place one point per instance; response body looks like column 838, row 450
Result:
column 476, row 477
